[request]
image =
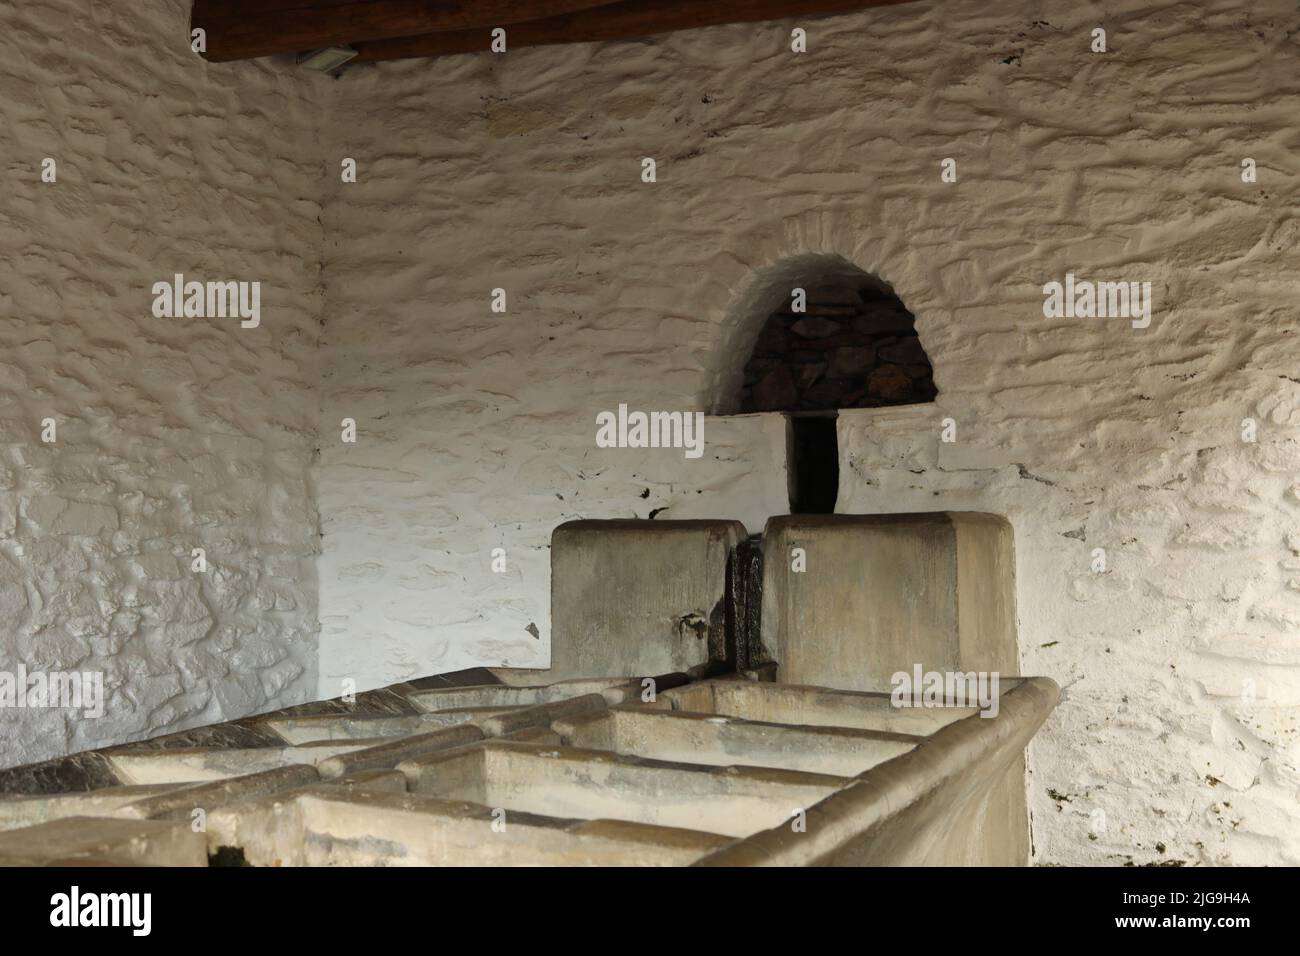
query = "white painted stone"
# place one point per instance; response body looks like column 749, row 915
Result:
column 638, row 296
column 172, row 433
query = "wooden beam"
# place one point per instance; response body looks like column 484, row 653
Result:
column 625, row 20
column 243, row 29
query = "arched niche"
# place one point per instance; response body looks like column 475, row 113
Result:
column 839, row 338
column 815, row 335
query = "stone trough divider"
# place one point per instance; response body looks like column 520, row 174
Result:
column 573, row 773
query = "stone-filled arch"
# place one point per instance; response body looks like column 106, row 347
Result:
column 844, row 341
column 854, row 345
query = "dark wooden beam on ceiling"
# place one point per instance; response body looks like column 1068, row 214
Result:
column 626, row 20
column 243, row 29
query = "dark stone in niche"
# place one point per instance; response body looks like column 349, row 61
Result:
column 855, row 346
column 852, row 360
column 809, row 373
column 887, row 322
column 826, row 394
column 794, row 359
column 775, row 391
column 890, row 382
column 764, row 364
column 906, row 352
column 815, row 327
column 772, row 340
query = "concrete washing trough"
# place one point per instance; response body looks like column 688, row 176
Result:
column 595, row 785
column 329, row 826
column 824, row 777
column 662, row 752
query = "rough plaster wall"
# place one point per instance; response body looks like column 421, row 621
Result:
column 172, row 433
column 476, row 430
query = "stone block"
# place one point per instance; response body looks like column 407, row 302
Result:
column 880, row 594
column 638, row 598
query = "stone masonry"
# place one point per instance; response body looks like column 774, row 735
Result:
column 854, row 346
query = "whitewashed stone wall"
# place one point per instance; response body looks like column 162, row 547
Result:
column 476, row 430
column 1181, row 662
column 172, row 434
